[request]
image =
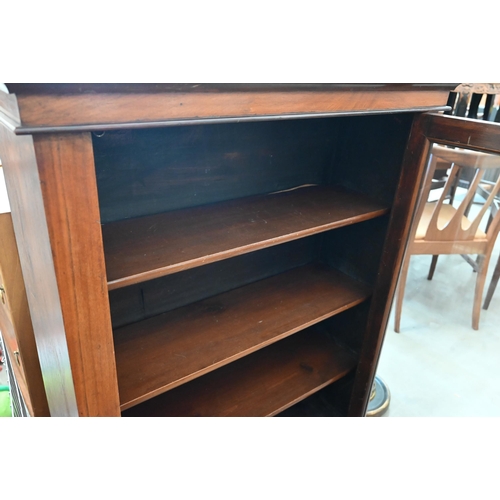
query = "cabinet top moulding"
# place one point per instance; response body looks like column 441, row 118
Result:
column 50, row 108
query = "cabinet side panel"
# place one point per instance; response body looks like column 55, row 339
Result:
column 67, row 176
column 25, row 197
column 390, row 264
column 17, row 324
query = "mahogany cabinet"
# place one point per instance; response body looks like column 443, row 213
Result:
column 211, row 250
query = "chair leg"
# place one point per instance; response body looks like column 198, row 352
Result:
column 493, row 285
column 478, row 260
column 433, row 266
column 400, row 293
column 478, row 294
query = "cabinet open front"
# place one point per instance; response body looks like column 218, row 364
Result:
column 260, row 238
column 211, row 250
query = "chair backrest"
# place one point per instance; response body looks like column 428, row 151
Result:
column 459, row 227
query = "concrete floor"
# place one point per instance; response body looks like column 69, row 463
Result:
column 438, row 365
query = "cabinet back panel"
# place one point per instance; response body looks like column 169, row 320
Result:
column 348, row 328
column 143, row 172
column 347, row 250
column 370, row 154
column 137, row 302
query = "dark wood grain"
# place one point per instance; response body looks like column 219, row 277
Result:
column 145, row 172
column 49, row 110
column 52, row 190
column 160, row 353
column 463, row 132
column 390, row 263
column 67, row 179
column 150, row 247
column 150, row 298
column 262, row 384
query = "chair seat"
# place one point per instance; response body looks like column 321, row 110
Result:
column 445, row 215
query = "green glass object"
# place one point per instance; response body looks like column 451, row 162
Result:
column 5, row 409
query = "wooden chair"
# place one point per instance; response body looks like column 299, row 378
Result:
column 441, row 228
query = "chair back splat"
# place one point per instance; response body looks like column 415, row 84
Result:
column 456, row 225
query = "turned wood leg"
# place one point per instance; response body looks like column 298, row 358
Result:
column 433, row 266
column 400, row 293
column 478, row 294
column 493, row 285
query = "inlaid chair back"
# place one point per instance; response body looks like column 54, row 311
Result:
column 453, row 224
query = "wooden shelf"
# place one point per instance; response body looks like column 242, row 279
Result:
column 262, row 384
column 160, row 353
column 145, row 248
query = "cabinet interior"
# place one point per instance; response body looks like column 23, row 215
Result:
column 241, row 259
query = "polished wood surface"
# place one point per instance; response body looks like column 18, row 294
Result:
column 262, row 384
column 440, row 222
column 15, row 323
column 67, row 179
column 150, row 298
column 462, row 132
column 90, row 110
column 58, row 224
column 28, row 217
column 149, row 247
column 412, row 171
column 165, row 351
